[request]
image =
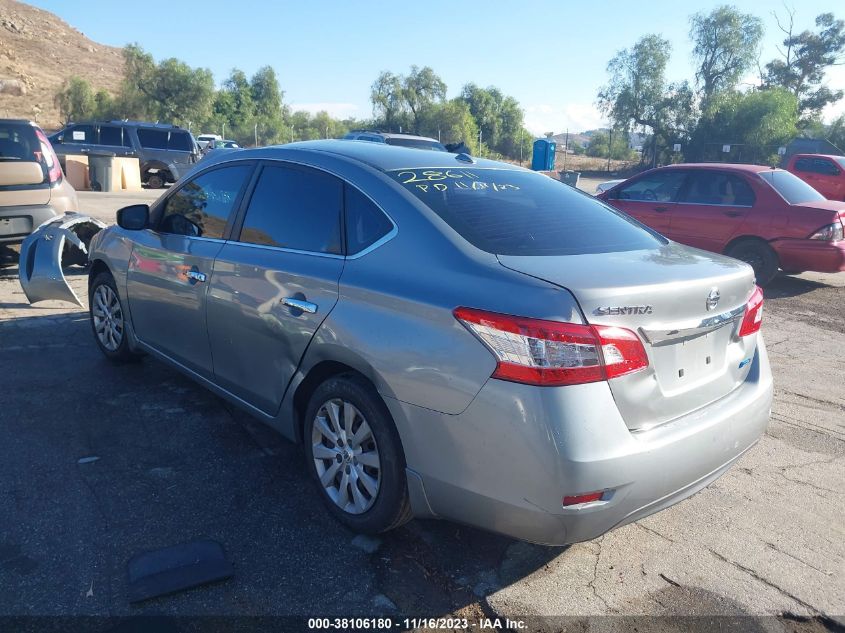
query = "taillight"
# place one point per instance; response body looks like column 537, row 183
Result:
column 830, row 233
column 552, row 353
column 753, row 317
column 54, row 169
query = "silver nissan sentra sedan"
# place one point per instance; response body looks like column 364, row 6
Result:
column 446, row 336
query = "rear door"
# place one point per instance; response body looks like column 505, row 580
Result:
column 711, row 207
column 651, row 197
column 170, row 266
column 275, row 282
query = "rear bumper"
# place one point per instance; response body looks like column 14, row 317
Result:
column 16, row 222
column 815, row 255
column 506, row 462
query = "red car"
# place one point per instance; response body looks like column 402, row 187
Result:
column 766, row 217
column 825, row 174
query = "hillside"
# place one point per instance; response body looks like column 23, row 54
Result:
column 38, row 51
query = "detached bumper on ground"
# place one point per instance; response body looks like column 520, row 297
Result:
column 517, row 451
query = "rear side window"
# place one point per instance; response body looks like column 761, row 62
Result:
column 295, row 208
column 180, row 141
column 202, row 206
column 790, row 187
column 717, row 188
column 510, row 212
column 365, row 222
column 658, row 186
column 152, row 139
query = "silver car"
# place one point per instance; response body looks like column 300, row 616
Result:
column 446, row 336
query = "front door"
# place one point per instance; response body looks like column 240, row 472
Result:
column 711, row 207
column 650, row 198
column 274, row 285
column 170, row 266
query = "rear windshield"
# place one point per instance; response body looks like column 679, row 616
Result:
column 509, row 212
column 416, row 143
column 790, row 187
column 840, row 160
column 19, row 143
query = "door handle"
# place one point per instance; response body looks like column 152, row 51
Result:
column 661, row 209
column 300, row 304
column 196, row 276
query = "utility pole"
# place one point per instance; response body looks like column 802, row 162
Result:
column 609, row 147
column 224, row 130
column 291, row 133
column 521, row 133
column 479, row 142
column 256, row 134
column 565, row 149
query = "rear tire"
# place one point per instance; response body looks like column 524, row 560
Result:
column 355, row 455
column 108, row 321
column 155, row 181
column 759, row 256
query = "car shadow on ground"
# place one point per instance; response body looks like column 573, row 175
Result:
column 99, row 462
column 784, row 286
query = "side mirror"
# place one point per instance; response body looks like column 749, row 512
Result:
column 134, row 217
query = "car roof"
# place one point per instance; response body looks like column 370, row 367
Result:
column 802, row 155
column 756, row 169
column 378, row 155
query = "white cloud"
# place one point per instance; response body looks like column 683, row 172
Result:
column 577, row 117
column 835, row 79
column 336, row 109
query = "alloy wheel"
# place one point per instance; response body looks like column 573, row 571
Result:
column 108, row 318
column 346, row 456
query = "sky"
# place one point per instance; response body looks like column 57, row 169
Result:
column 550, row 56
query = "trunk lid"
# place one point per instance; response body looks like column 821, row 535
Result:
column 695, row 355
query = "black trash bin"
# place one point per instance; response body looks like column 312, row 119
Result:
column 100, row 171
column 569, row 177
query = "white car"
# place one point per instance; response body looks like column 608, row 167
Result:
column 203, row 140
column 604, row 186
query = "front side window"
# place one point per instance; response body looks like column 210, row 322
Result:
column 803, row 164
column 295, row 208
column 152, row 139
column 660, row 186
column 79, row 135
column 825, row 167
column 180, row 141
column 201, row 207
column 517, row 212
column 717, row 188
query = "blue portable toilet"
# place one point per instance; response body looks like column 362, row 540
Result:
column 543, row 158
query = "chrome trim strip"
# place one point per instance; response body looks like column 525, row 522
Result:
column 282, row 249
column 687, row 331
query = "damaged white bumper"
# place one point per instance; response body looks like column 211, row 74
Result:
column 60, row 241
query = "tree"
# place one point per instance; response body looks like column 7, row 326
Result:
column 756, row 123
column 638, row 95
column 805, row 58
column 266, row 94
column 75, row 100
column 420, row 89
column 388, row 100
column 451, row 122
column 170, row 91
column 725, row 47
column 606, row 145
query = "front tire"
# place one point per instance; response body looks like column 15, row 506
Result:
column 355, row 456
column 108, row 320
column 759, row 256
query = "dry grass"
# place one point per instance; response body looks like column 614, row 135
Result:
column 41, row 50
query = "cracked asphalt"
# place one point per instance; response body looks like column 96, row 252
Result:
column 99, row 463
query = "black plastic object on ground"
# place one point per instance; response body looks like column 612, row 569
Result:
column 100, row 170
column 176, row 568
column 569, row 177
